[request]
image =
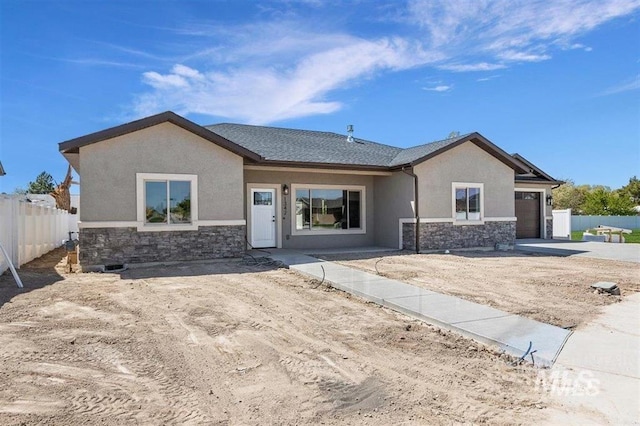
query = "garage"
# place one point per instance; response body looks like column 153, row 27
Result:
column 528, row 214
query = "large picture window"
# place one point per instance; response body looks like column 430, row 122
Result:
column 166, row 202
column 468, row 199
column 329, row 209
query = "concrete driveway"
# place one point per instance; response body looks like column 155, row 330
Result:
column 596, row 378
column 608, row 251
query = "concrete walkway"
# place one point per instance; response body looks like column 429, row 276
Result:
column 511, row 333
column 592, row 249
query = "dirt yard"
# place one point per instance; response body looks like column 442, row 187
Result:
column 551, row 289
column 227, row 343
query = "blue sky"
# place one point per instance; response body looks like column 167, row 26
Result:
column 555, row 81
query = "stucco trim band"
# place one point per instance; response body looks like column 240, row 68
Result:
column 124, row 224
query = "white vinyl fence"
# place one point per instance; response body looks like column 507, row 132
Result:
column 580, row 223
column 562, row 224
column 28, row 231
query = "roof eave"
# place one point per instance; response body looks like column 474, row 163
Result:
column 313, row 165
column 73, row 145
column 540, row 181
column 534, row 168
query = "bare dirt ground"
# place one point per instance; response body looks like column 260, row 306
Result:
column 551, row 289
column 227, row 343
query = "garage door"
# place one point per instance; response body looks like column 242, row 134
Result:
column 528, row 214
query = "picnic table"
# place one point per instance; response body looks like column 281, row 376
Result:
column 609, row 232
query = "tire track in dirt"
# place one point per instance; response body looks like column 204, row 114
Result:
column 222, row 344
column 164, row 370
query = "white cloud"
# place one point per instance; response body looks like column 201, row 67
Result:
column 627, row 86
column 261, row 94
column 507, row 31
column 488, row 78
column 160, row 81
column 481, row 66
column 100, row 63
column 262, row 72
column 439, row 88
column 515, row 56
column 580, row 46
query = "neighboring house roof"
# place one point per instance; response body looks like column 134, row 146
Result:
column 2, row 172
column 533, row 173
column 306, row 148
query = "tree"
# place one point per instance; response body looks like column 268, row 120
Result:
column 61, row 192
column 570, row 196
column 631, row 190
column 43, row 184
column 601, row 201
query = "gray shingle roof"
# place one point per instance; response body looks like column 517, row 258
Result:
column 264, row 145
column 306, row 146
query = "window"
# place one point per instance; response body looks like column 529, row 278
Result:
column 166, row 202
column 262, row 198
column 527, row 195
column 468, row 200
column 329, row 209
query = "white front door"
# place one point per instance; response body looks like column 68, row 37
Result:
column 263, row 217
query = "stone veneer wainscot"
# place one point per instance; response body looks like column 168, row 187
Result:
column 549, row 228
column 114, row 246
column 444, row 236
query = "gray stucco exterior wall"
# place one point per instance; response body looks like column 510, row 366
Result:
column 108, row 189
column 290, row 178
column 393, row 197
column 465, row 163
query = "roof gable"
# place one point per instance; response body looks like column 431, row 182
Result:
column 532, row 172
column 73, row 145
column 418, row 154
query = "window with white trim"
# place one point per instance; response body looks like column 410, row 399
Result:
column 328, row 209
column 166, row 201
column 468, row 199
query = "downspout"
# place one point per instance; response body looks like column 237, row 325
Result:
column 416, row 211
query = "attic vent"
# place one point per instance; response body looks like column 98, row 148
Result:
column 349, row 132
column 454, row 135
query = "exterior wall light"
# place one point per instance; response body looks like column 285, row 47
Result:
column 549, row 200
column 285, row 189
